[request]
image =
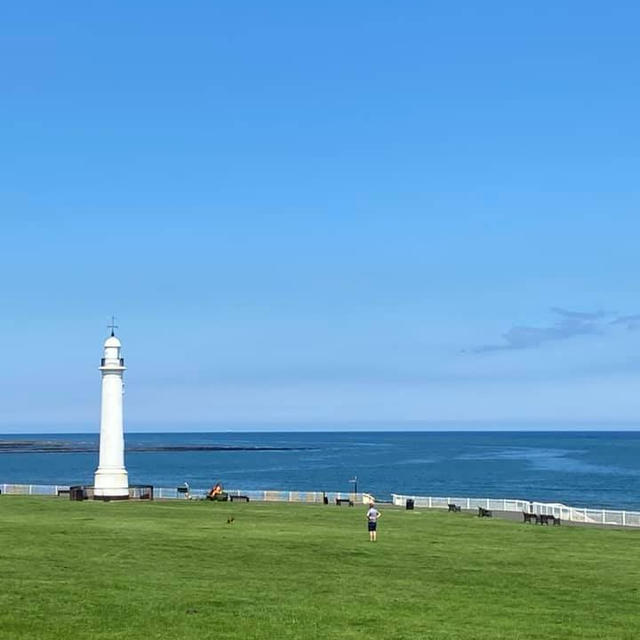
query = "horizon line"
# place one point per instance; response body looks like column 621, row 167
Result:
column 583, row 429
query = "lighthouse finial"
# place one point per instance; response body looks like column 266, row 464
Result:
column 113, row 326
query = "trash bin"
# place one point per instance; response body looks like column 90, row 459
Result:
column 410, row 504
column 76, row 493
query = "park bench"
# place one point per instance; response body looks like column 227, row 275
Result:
column 529, row 517
column 340, row 501
column 63, row 492
column 546, row 519
column 454, row 507
column 484, row 513
column 239, row 498
column 219, row 497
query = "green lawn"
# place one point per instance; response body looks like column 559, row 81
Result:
column 177, row 570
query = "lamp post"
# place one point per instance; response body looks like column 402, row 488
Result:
column 354, row 481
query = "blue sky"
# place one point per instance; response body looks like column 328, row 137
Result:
column 347, row 215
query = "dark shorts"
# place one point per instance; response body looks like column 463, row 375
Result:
column 372, row 525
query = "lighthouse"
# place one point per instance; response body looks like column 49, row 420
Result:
column 111, row 479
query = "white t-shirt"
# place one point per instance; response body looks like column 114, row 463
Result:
column 373, row 514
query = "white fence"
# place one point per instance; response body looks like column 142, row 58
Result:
column 172, row 493
column 34, row 489
column 269, row 495
column 562, row 511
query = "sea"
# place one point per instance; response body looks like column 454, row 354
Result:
column 583, row 469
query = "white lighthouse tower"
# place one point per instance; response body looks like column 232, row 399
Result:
column 111, row 479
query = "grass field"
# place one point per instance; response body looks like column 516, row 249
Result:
column 177, row 570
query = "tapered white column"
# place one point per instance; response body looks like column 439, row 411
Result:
column 111, row 479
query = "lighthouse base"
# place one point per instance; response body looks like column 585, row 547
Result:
column 111, row 484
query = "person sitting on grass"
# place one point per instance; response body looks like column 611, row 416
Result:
column 215, row 491
column 372, row 521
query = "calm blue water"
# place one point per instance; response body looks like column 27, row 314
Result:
column 579, row 468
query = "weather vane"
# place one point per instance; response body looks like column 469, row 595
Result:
column 113, row 326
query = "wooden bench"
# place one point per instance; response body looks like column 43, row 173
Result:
column 340, row 501
column 484, row 513
column 63, row 492
column 239, row 498
column 454, row 507
column 529, row 517
column 546, row 519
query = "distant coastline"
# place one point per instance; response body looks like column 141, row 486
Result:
column 51, row 446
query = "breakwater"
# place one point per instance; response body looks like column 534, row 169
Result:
column 56, row 446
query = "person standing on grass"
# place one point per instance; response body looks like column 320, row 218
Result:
column 372, row 521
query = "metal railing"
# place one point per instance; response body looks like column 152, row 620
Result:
column 34, row 489
column 261, row 495
column 609, row 517
column 431, row 502
column 178, row 493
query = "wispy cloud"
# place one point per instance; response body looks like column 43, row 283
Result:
column 580, row 315
column 567, row 324
column 632, row 322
